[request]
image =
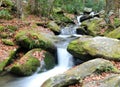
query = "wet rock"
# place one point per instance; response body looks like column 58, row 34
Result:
column 81, row 31
column 77, row 73
column 28, row 64
column 86, row 48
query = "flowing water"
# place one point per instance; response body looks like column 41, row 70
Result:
column 65, row 62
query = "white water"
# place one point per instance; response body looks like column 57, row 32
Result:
column 64, row 58
column 36, row 80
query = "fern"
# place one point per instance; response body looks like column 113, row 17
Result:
column 5, row 14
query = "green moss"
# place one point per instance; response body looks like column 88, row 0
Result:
column 26, row 68
column 104, row 68
column 116, row 22
column 7, row 60
column 53, row 26
column 49, row 61
column 114, row 34
column 28, row 64
column 3, row 64
column 8, row 42
column 77, row 47
column 5, row 14
column 7, row 3
column 32, row 39
column 2, row 28
column 11, row 28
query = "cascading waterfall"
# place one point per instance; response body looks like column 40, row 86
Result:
column 64, row 63
column 64, row 60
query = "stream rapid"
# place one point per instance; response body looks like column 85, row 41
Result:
column 65, row 62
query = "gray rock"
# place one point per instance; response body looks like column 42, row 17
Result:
column 111, row 81
column 86, row 9
column 77, row 73
column 104, row 47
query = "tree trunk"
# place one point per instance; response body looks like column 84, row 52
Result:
column 19, row 8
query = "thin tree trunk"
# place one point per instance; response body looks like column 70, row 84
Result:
column 19, row 8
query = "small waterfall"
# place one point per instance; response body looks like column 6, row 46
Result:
column 65, row 61
column 64, row 58
column 71, row 29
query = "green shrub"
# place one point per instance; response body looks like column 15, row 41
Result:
column 11, row 28
column 102, row 69
column 7, row 3
column 2, row 28
column 5, row 14
column 8, row 42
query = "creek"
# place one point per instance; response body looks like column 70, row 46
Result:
column 65, row 62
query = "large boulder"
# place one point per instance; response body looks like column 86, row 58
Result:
column 114, row 34
column 86, row 48
column 76, row 74
column 7, row 53
column 34, row 39
column 111, row 81
column 28, row 64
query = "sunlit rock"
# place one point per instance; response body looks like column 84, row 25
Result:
column 34, row 39
column 86, row 48
column 76, row 74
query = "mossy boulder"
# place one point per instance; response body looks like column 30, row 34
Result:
column 7, row 54
column 76, row 74
column 29, row 63
column 86, row 48
column 110, row 81
column 54, row 27
column 93, row 26
column 114, row 34
column 34, row 39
